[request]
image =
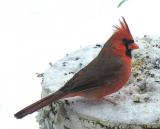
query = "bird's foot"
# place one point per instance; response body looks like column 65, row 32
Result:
column 110, row 101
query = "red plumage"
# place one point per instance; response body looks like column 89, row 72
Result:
column 106, row 74
column 123, row 30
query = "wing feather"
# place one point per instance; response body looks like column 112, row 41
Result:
column 93, row 76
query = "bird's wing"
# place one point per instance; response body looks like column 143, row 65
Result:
column 100, row 71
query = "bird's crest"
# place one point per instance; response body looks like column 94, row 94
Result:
column 123, row 30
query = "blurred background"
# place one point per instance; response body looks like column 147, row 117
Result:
column 36, row 32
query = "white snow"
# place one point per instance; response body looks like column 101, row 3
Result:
column 138, row 102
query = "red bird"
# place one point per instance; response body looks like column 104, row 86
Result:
column 104, row 75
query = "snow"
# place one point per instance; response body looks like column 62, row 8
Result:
column 138, row 102
column 68, row 66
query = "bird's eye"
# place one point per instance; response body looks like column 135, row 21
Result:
column 126, row 41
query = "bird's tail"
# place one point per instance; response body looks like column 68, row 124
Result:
column 40, row 104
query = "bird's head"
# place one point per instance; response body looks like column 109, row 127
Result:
column 121, row 42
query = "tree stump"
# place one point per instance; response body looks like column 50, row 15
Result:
column 138, row 103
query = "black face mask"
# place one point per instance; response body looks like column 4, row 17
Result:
column 127, row 43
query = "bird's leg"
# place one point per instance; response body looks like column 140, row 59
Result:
column 109, row 100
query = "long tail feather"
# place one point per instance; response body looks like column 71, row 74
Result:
column 40, row 104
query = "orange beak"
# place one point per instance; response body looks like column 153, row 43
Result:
column 133, row 46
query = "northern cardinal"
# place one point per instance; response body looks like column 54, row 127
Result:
column 104, row 75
